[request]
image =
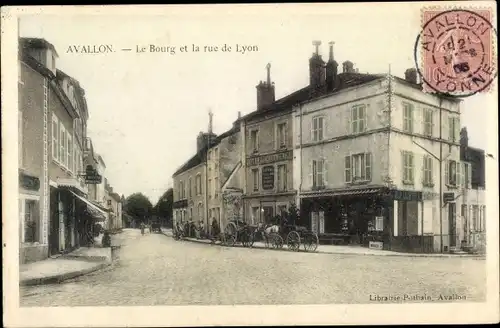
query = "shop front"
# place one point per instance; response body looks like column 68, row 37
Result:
column 72, row 217
column 349, row 217
column 263, row 209
column 380, row 218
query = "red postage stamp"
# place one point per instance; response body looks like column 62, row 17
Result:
column 457, row 51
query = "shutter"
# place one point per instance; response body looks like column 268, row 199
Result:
column 412, row 166
column 325, row 172
column 403, row 170
column 311, row 129
column 421, row 119
column 325, row 127
column 310, row 181
column 457, row 129
column 21, row 219
column 365, row 116
column 348, row 128
column 347, row 169
column 444, row 125
column 368, row 166
column 469, row 183
column 446, row 172
column 422, row 170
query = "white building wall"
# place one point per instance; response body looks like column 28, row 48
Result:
column 339, row 141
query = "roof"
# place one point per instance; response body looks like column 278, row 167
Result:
column 344, row 81
column 201, row 156
column 37, row 43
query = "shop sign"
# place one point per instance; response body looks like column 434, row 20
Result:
column 29, row 182
column 376, row 245
column 268, row 177
column 271, row 158
column 92, row 176
column 448, row 197
column 406, row 195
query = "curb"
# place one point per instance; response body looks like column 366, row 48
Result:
column 479, row 257
column 61, row 277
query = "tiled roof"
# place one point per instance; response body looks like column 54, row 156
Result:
column 344, row 80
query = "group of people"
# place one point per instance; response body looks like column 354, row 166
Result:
column 199, row 229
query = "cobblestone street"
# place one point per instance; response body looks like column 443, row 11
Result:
column 156, row 270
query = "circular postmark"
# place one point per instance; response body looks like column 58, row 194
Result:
column 457, row 52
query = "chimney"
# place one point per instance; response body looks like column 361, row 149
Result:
column 411, row 75
column 331, row 70
column 348, row 67
column 265, row 91
column 239, row 115
column 316, row 69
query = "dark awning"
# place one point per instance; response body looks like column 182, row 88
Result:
column 343, row 192
column 93, row 211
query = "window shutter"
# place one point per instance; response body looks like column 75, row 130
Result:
column 285, row 135
column 368, row 166
column 325, row 127
column 21, row 219
column 325, row 172
column 310, row 182
column 347, row 169
column 311, row 128
column 446, row 172
column 412, row 167
column 348, row 121
column 469, row 183
column 365, row 109
column 457, row 129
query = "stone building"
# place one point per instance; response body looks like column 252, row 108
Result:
column 268, row 154
column 52, row 128
column 370, row 150
column 190, row 184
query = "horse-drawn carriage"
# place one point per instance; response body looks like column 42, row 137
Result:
column 156, row 226
column 280, row 233
column 237, row 231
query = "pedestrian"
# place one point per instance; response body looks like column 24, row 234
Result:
column 202, row 229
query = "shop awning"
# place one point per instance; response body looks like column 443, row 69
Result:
column 344, row 192
column 72, row 183
column 93, row 210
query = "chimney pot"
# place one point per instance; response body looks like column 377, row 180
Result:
column 411, row 75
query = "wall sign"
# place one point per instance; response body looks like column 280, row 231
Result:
column 271, row 158
column 29, row 182
column 406, row 195
column 268, row 177
column 92, row 176
column 448, row 197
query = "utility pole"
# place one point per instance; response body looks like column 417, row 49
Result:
column 440, row 159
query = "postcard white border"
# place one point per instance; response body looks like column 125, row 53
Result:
column 14, row 316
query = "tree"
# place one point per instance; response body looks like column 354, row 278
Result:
column 138, row 206
column 163, row 207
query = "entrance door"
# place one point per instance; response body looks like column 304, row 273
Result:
column 268, row 213
column 54, row 223
column 452, row 223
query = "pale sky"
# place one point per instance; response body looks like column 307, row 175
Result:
column 146, row 109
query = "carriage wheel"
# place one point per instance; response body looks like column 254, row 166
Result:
column 277, row 241
column 230, row 234
column 293, row 241
column 311, row 242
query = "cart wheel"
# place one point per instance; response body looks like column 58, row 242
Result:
column 277, row 241
column 293, row 241
column 230, row 240
column 311, row 242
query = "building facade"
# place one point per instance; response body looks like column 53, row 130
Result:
column 52, row 127
column 370, row 152
column 267, row 156
column 225, row 177
column 190, row 185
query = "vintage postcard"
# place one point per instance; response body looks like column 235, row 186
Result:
column 278, row 164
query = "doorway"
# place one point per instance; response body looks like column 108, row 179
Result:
column 452, row 224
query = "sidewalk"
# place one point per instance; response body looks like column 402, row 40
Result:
column 54, row 270
column 343, row 250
